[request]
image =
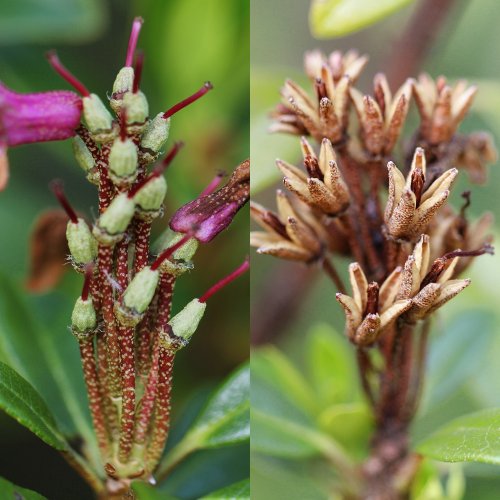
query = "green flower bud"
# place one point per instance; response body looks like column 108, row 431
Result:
column 124, row 82
column 154, row 137
column 82, row 154
column 137, row 108
column 82, row 245
column 137, row 296
column 83, row 319
column 112, row 224
column 85, row 160
column 185, row 322
column 98, row 118
column 149, row 199
column 181, row 259
column 123, row 162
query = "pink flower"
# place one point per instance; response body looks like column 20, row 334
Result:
column 39, row 117
column 212, row 212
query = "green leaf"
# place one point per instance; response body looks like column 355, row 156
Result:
column 331, row 366
column 23, row 403
column 351, row 425
column 454, row 358
column 236, row 491
column 144, row 491
column 51, row 20
column 279, row 437
column 333, row 18
column 225, row 420
column 46, row 354
column 274, row 367
column 280, row 480
column 205, row 471
column 14, row 492
column 471, row 438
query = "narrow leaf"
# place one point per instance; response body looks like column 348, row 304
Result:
column 274, row 367
column 21, row 401
column 14, row 492
column 238, row 491
column 333, row 18
column 471, row 438
column 225, row 420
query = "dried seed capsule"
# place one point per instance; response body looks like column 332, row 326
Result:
column 82, row 245
column 98, row 118
column 154, row 137
column 112, row 224
column 123, row 162
column 83, row 319
column 137, row 296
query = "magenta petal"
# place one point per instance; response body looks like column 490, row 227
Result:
column 207, row 225
column 38, row 117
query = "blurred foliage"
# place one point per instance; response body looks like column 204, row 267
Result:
column 307, row 381
column 185, row 44
column 333, row 18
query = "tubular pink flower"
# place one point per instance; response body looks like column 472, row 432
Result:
column 39, row 117
column 212, row 212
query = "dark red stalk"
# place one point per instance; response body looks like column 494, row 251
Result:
column 139, row 62
column 186, row 102
column 169, row 252
column 57, row 187
column 58, row 66
column 225, row 281
column 212, row 186
column 132, row 42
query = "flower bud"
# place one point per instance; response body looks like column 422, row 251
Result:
column 82, row 244
column 85, row 160
column 98, row 118
column 123, row 83
column 149, row 198
column 137, row 108
column 181, row 258
column 137, row 296
column 112, row 224
column 123, row 162
column 154, row 137
column 185, row 322
column 83, row 319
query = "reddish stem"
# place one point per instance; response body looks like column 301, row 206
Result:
column 170, row 251
column 55, row 62
column 57, row 187
column 225, row 281
column 132, row 42
column 139, row 63
column 186, row 102
column 142, row 234
column 212, row 186
column 94, row 394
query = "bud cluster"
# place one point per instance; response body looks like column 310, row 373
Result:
column 351, row 200
column 122, row 320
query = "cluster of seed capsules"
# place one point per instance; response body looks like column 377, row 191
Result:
column 336, row 204
column 122, row 319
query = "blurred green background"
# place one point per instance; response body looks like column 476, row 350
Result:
column 463, row 365
column 186, row 42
